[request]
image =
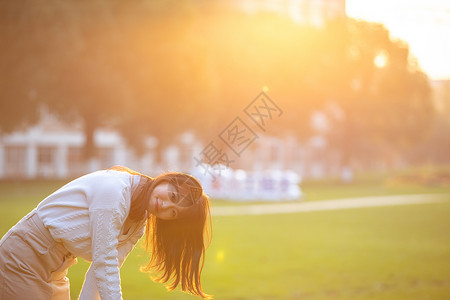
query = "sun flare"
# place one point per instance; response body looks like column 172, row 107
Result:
column 220, row 256
column 424, row 25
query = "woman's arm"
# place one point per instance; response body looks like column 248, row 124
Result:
column 89, row 290
column 103, row 275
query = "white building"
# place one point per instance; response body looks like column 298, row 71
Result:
column 51, row 149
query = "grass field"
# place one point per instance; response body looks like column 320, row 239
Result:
column 399, row 252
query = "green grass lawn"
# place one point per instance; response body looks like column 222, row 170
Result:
column 399, row 252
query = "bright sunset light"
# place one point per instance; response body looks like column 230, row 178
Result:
column 424, row 25
column 225, row 149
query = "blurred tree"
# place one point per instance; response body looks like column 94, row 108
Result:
column 161, row 67
column 105, row 63
column 28, row 31
column 374, row 92
column 57, row 54
column 251, row 52
column 169, row 70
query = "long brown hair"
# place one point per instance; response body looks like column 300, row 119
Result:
column 177, row 246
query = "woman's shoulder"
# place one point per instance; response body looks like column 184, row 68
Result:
column 103, row 182
column 109, row 179
column 108, row 175
column 105, row 186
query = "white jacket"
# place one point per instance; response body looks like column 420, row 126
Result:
column 87, row 216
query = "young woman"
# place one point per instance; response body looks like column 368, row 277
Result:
column 100, row 217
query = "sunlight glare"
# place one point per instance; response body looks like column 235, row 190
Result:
column 424, row 25
column 220, row 256
column 381, row 59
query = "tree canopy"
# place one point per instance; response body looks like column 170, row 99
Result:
column 161, row 67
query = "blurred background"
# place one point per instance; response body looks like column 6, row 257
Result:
column 307, row 100
column 148, row 84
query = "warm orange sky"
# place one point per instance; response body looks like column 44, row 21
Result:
column 423, row 24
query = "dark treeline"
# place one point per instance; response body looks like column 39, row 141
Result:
column 160, row 67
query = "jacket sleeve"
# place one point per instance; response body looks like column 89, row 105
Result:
column 103, row 277
column 89, row 290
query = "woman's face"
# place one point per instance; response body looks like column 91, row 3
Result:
column 163, row 202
